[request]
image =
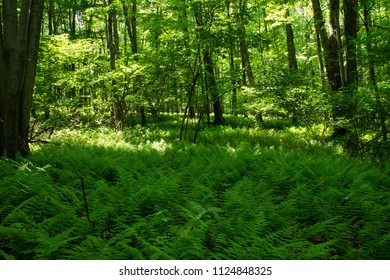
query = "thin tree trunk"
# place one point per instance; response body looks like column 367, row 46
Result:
column 233, row 78
column 130, row 14
column 292, row 56
column 351, row 29
column 320, row 58
column 381, row 112
column 241, row 30
column 131, row 25
column 209, row 68
column 335, row 35
column 212, row 87
column 111, row 42
column 50, row 15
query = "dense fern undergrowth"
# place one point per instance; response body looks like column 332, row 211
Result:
column 239, row 193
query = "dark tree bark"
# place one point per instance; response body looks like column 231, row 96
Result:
column 211, row 83
column 50, row 15
column 342, row 106
column 292, row 55
column 330, row 45
column 131, row 24
column 212, row 87
column 130, row 15
column 350, row 32
column 335, row 35
column 112, row 41
column 241, row 32
column 20, row 33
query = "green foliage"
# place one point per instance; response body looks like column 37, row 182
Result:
column 242, row 193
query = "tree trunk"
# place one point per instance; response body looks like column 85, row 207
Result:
column 131, row 25
column 333, row 62
column 210, row 80
column 321, row 66
column 232, row 65
column 30, row 72
column 241, row 32
column 212, row 87
column 381, row 111
column 50, row 15
column 20, row 35
column 130, row 15
column 331, row 48
column 292, row 56
column 335, row 35
column 112, row 41
column 351, row 29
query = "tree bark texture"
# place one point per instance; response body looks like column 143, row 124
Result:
column 20, row 34
column 330, row 46
column 292, row 55
column 351, row 30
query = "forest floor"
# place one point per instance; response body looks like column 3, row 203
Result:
column 240, row 192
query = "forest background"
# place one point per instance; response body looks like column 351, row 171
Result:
column 287, row 102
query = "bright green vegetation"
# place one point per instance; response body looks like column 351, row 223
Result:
column 243, row 193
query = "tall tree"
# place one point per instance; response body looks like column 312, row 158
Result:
column 232, row 65
column 351, row 31
column 204, row 20
column 372, row 74
column 130, row 12
column 329, row 43
column 240, row 15
column 292, row 55
column 113, row 45
column 19, row 41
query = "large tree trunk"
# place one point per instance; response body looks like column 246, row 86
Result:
column 331, row 47
column 20, row 33
column 29, row 78
column 334, row 63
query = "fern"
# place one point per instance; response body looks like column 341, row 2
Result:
column 242, row 193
